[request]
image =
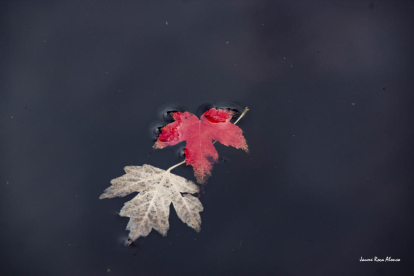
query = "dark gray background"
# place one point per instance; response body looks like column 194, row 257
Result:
column 329, row 176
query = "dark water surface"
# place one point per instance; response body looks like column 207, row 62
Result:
column 329, row 176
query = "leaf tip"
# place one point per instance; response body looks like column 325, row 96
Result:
column 158, row 145
column 202, row 178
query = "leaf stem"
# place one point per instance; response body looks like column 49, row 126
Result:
column 241, row 116
column 175, row 166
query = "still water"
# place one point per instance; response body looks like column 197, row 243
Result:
column 85, row 87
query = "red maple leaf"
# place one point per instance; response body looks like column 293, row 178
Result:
column 200, row 153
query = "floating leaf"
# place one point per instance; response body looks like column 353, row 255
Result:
column 199, row 134
column 150, row 209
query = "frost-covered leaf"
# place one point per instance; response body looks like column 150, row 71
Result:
column 151, row 207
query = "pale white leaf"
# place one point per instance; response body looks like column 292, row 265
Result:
column 157, row 189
